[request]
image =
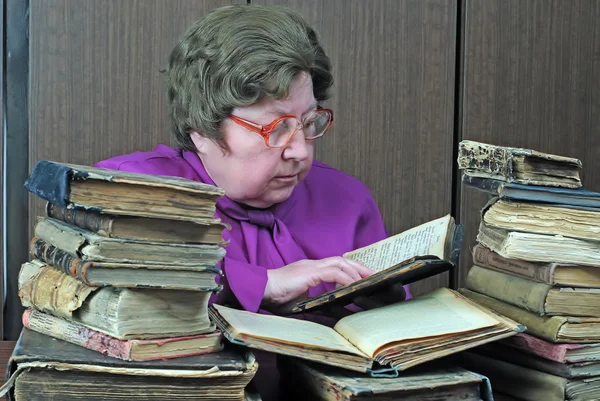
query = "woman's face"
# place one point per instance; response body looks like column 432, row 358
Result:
column 249, row 171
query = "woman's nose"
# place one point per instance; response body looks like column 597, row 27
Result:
column 297, row 148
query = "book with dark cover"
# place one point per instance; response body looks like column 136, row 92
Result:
column 51, row 369
column 578, row 197
column 310, row 381
column 530, row 384
column 415, row 254
column 119, row 192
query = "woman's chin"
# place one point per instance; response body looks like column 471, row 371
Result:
column 270, row 198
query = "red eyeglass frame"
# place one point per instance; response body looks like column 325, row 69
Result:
column 265, row 130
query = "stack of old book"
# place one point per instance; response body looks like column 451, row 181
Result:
column 536, row 261
column 124, row 265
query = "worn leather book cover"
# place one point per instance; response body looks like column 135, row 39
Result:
column 562, row 353
column 524, row 166
column 574, row 197
column 129, row 350
column 549, row 273
column 432, row 382
column 144, row 275
column 93, row 247
column 420, row 252
column 119, row 192
column 44, row 368
column 530, row 384
column 559, row 329
column 118, row 312
column 207, row 231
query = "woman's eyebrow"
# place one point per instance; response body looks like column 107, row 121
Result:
column 278, row 111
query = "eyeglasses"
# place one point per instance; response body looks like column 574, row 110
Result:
column 279, row 132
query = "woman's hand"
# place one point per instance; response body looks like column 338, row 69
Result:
column 290, row 282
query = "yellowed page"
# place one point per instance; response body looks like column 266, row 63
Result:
column 285, row 330
column 433, row 314
column 426, row 239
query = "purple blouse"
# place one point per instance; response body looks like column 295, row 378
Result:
column 329, row 213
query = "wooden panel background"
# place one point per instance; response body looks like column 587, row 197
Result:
column 531, row 79
column 96, row 86
column 394, row 66
column 2, row 206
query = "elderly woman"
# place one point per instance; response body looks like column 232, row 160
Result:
column 245, row 87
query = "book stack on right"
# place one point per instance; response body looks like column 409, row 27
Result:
column 123, row 265
column 536, row 261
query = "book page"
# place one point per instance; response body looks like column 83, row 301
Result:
column 434, row 314
column 285, row 330
column 426, row 239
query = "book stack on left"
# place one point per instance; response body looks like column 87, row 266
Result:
column 124, row 265
column 536, row 261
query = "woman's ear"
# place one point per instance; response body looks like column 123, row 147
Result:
column 200, row 141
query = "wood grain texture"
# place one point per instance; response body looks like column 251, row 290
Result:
column 2, row 206
column 6, row 349
column 96, row 86
column 393, row 62
column 531, row 79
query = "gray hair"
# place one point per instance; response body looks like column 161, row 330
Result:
column 235, row 56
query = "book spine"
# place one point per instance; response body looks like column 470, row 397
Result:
column 544, row 327
column 76, row 334
column 512, row 289
column 71, row 265
column 539, row 347
column 52, row 291
column 485, row 257
column 82, row 218
column 491, row 159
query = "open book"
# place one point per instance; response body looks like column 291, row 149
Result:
column 391, row 338
column 412, row 255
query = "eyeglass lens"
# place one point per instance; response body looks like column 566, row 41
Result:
column 313, row 127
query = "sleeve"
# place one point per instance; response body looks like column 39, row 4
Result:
column 370, row 229
column 243, row 281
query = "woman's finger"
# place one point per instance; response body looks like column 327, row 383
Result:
column 333, row 274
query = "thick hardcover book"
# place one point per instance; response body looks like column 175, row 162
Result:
column 559, row 329
column 120, row 192
column 539, row 298
column 571, row 370
column 379, row 341
column 45, row 369
column 539, row 247
column 207, row 231
column 129, row 350
column 133, row 275
column 571, row 222
column 549, row 273
column 312, row 381
column 512, row 191
column 93, row 247
column 119, row 312
column 530, row 384
column 420, row 252
column 525, row 166
column 561, row 353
